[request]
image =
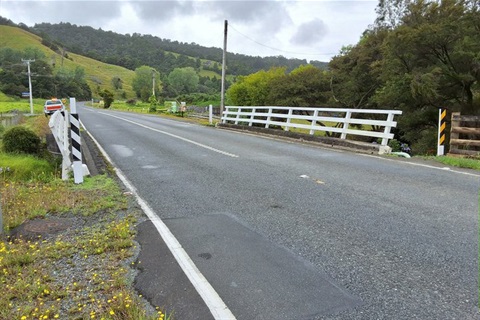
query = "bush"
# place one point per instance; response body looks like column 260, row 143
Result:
column 107, row 98
column 20, row 139
column 132, row 102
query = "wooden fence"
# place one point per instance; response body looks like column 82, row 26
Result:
column 465, row 135
column 319, row 119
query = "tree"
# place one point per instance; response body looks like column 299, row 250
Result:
column 391, row 12
column 305, row 86
column 143, row 82
column 72, row 84
column 253, row 90
column 431, row 60
column 183, row 80
column 356, row 72
column 153, row 104
column 107, row 98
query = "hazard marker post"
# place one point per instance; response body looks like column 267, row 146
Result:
column 442, row 116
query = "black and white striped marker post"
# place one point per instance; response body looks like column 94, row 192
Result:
column 76, row 143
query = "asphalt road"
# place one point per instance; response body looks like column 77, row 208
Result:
column 290, row 231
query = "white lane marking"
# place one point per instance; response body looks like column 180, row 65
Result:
column 214, row 302
column 422, row 165
column 174, row 136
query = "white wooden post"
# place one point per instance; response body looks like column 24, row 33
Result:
column 238, row 115
column 210, row 114
column 314, row 122
column 223, row 115
column 59, row 125
column 348, row 115
column 269, row 117
column 290, row 113
column 387, row 129
column 252, row 116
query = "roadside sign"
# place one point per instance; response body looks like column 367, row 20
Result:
column 25, row 94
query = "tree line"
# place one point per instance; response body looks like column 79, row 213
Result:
column 45, row 83
column 134, row 50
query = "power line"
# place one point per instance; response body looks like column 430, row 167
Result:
column 280, row 50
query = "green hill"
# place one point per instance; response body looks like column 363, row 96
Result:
column 97, row 74
column 164, row 55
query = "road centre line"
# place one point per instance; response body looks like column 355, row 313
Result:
column 214, row 302
column 175, row 136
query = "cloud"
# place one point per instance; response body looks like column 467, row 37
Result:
column 162, row 10
column 75, row 12
column 310, row 32
column 315, row 28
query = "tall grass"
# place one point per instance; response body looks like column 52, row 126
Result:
column 25, row 168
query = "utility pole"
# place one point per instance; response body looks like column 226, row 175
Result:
column 29, row 83
column 222, row 95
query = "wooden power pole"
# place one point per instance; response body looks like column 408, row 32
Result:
column 224, row 66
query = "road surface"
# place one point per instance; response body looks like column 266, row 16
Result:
column 283, row 230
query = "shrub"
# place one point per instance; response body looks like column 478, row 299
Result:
column 107, row 98
column 132, row 102
column 153, row 104
column 20, row 139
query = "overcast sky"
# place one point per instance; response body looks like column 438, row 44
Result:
column 312, row 30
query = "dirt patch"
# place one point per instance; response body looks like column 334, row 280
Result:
column 33, row 229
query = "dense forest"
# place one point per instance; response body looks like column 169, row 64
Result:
column 133, row 51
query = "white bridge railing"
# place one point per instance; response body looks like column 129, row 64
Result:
column 69, row 144
column 320, row 119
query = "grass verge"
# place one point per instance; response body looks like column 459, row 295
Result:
column 82, row 272
column 467, row 163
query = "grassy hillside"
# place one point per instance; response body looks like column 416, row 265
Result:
column 98, row 74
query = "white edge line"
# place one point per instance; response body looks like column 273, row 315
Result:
column 211, row 298
column 448, row 169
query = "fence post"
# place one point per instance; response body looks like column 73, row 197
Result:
column 441, row 131
column 223, row 114
column 210, row 114
column 269, row 117
column 238, row 115
column 252, row 116
column 290, row 113
column 314, row 122
column 387, row 129
column 346, row 123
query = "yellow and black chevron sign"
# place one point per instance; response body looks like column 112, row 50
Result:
column 443, row 116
